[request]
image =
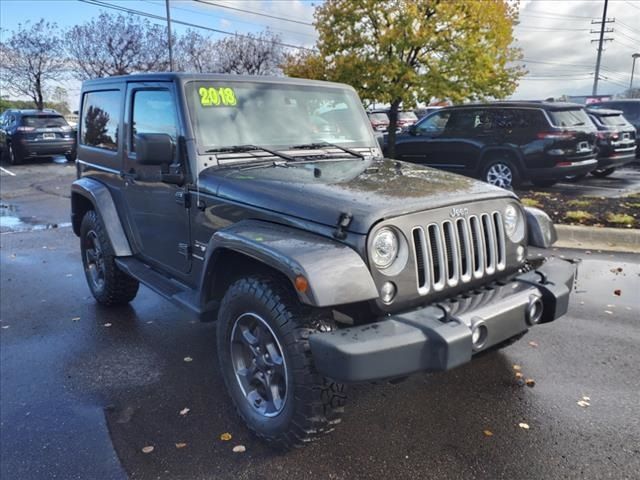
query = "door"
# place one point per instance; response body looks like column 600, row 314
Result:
column 423, row 143
column 158, row 214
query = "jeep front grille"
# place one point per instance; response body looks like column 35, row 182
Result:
column 457, row 251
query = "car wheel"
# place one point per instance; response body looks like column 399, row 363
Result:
column 263, row 349
column 14, row 157
column 501, row 173
column 603, row 172
column 575, row 178
column 544, row 182
column 108, row 284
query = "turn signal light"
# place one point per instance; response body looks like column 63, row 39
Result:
column 301, row 283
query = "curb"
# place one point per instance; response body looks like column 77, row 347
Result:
column 598, row 238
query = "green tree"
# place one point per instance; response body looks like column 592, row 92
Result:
column 403, row 51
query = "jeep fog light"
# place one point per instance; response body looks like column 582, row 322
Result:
column 387, row 292
column 533, row 313
column 479, row 334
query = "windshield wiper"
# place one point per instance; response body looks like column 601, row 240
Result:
column 318, row 145
column 250, row 148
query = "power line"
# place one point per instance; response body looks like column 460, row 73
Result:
column 631, row 29
column 634, row 6
column 99, row 3
column 262, row 14
column 632, row 47
column 552, row 29
column 555, row 15
column 630, row 38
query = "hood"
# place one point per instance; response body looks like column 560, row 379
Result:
column 369, row 190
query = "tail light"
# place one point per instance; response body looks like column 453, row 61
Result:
column 25, row 129
column 607, row 135
column 556, row 135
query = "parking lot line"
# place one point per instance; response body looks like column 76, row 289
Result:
column 7, row 171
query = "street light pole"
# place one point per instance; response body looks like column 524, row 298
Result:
column 633, row 67
column 170, row 39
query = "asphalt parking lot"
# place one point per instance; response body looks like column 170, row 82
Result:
column 83, row 388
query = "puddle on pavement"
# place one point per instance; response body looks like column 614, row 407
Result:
column 10, row 221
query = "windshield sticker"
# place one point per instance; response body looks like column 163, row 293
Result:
column 215, row 97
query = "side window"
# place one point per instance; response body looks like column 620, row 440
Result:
column 100, row 119
column 153, row 112
column 433, row 124
column 463, row 121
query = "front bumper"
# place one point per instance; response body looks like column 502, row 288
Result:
column 439, row 337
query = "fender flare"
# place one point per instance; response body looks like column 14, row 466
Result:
column 336, row 274
column 98, row 194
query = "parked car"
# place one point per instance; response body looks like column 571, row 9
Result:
column 631, row 110
column 616, row 140
column 404, row 120
column 504, row 143
column 35, row 133
column 379, row 121
column 422, row 112
column 322, row 262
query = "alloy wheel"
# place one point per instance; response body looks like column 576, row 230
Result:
column 500, row 175
column 94, row 260
column 259, row 365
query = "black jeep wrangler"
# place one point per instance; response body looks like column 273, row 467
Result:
column 265, row 204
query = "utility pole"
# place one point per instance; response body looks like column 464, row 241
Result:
column 633, row 67
column 603, row 23
column 171, row 40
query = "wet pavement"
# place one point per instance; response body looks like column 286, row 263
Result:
column 84, row 388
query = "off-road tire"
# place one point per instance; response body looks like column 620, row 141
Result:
column 603, row 172
column 544, row 182
column 313, row 404
column 504, row 165
column 118, row 288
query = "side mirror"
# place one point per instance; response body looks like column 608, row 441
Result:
column 154, row 148
column 412, row 130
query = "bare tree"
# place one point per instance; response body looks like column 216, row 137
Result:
column 195, row 53
column 30, row 59
column 250, row 54
column 117, row 45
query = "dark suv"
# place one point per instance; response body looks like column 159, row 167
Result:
column 504, row 143
column 322, row 262
column 616, row 140
column 630, row 108
column 35, row 133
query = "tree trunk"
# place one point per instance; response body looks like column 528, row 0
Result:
column 393, row 122
column 38, row 94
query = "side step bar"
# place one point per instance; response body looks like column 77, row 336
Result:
column 174, row 291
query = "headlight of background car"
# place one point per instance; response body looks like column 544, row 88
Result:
column 514, row 223
column 384, row 248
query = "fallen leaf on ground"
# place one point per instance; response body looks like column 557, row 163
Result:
column 524, row 425
column 530, row 382
column 609, row 312
column 586, row 398
column 181, row 445
column 583, row 403
column 517, row 367
column 108, row 324
column 5, row 326
column 239, row 449
column 184, row 411
column 75, row 319
column 188, row 359
column 533, row 344
column 617, row 292
column 225, row 437
column 147, row 449
column 519, row 375
column 487, row 433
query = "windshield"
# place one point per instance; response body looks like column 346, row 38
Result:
column 226, row 114
column 613, row 120
column 569, row 118
column 44, row 121
column 631, row 110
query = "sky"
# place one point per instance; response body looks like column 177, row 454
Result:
column 554, row 35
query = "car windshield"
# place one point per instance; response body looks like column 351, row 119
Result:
column 631, row 110
column 44, row 121
column 569, row 118
column 226, row 114
column 612, row 120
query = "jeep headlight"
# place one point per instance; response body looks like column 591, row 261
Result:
column 514, row 223
column 384, row 247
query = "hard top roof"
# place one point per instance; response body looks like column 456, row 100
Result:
column 604, row 111
column 182, row 78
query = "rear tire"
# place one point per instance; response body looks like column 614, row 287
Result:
column 266, row 363
column 108, row 284
column 603, row 172
column 14, row 157
column 501, row 173
column 544, row 182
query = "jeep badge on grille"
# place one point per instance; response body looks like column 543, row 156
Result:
column 459, row 212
